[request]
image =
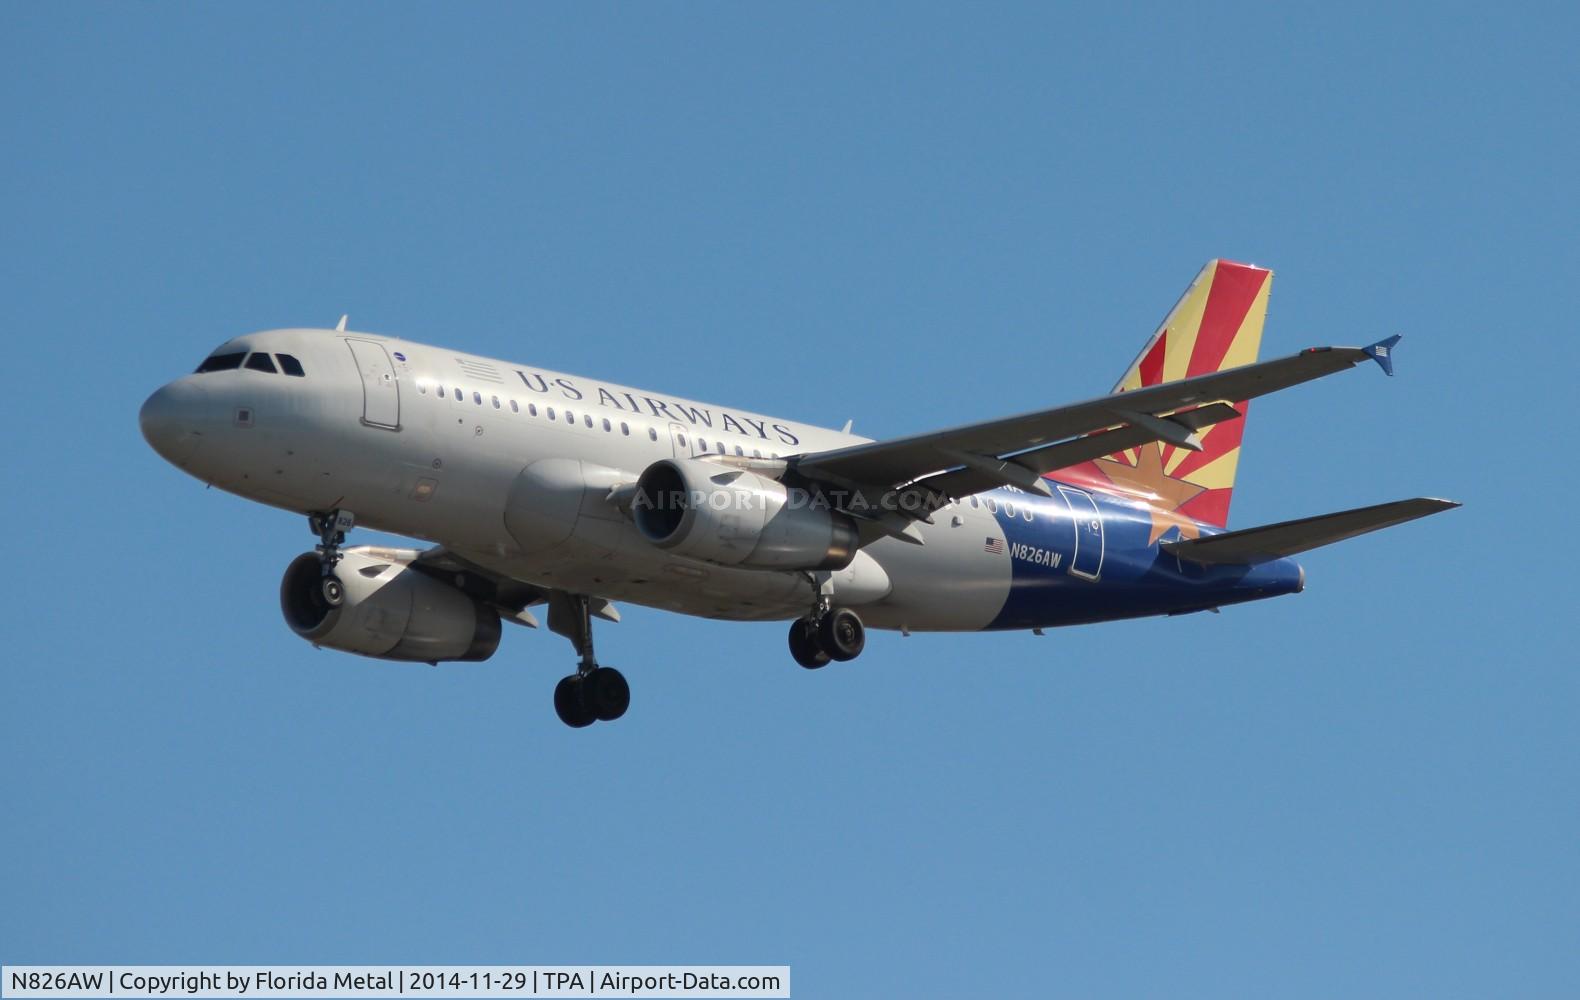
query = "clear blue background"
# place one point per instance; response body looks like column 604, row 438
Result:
column 907, row 216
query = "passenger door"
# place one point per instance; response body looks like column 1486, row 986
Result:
column 380, row 388
column 1087, row 562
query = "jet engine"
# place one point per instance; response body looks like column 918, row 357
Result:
column 390, row 611
column 738, row 518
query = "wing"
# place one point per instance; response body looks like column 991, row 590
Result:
column 1017, row 451
column 511, row 597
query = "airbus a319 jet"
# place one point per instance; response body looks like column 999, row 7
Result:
column 541, row 490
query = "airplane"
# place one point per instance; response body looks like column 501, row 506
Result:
column 543, row 490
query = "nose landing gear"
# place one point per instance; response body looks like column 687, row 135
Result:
column 331, row 528
column 593, row 693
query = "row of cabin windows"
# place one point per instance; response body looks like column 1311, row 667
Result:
column 570, row 418
column 720, row 448
column 256, row 361
column 1009, row 507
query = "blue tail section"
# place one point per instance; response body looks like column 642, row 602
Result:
column 1080, row 557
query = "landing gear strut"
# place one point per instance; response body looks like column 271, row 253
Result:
column 331, row 528
column 593, row 693
column 827, row 634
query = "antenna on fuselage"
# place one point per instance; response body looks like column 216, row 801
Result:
column 846, row 428
column 340, row 327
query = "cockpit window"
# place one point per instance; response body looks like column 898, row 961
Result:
column 290, row 365
column 260, row 362
column 221, row 362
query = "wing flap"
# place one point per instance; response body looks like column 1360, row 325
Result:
column 1274, row 541
column 510, row 596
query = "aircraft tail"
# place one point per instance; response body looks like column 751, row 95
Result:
column 1216, row 324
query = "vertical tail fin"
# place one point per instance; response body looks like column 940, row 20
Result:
column 1216, row 324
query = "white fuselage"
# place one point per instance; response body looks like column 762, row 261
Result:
column 509, row 466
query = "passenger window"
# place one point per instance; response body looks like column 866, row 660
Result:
column 460, row 397
column 1009, row 508
column 974, row 501
column 477, row 398
column 290, row 365
column 549, row 412
column 532, row 409
column 260, row 362
column 756, row 453
column 587, row 418
column 422, row 388
column 682, row 439
column 607, row 426
column 570, row 418
column 703, row 444
column 441, row 392
column 221, row 363
column 513, row 407
column 992, row 505
column 652, row 434
column 739, row 451
column 1025, row 513
column 625, row 428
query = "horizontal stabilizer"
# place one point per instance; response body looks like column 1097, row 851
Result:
column 1274, row 541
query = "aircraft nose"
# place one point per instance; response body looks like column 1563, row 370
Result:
column 171, row 418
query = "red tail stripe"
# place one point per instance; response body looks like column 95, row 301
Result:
column 1211, row 507
column 1234, row 288
column 1152, row 364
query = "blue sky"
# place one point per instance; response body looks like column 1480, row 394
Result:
column 907, row 216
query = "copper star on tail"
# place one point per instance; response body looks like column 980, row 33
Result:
column 1163, row 494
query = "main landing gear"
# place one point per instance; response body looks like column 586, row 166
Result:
column 331, row 528
column 827, row 634
column 593, row 693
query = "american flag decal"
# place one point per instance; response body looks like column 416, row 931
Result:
column 995, row 546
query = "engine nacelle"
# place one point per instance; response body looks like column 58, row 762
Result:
column 390, row 611
column 737, row 518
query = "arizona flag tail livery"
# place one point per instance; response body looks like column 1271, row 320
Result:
column 1217, row 324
